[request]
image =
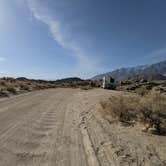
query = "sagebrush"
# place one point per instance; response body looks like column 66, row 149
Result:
column 149, row 109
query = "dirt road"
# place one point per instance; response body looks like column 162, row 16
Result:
column 61, row 127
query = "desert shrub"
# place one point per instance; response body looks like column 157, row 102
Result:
column 132, row 87
column 49, row 85
column 53, row 86
column 3, row 83
column 153, row 110
column 29, row 83
column 142, row 91
column 8, row 79
column 3, row 92
column 149, row 109
column 122, row 107
column 24, row 87
column 40, row 86
column 11, row 89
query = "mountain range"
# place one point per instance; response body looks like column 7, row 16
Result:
column 124, row 73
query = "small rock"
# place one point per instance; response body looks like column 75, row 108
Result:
column 144, row 129
column 152, row 130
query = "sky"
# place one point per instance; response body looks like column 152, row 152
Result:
column 53, row 39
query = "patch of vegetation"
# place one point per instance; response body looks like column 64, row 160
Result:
column 10, row 86
column 11, row 90
column 25, row 87
column 3, row 93
column 149, row 109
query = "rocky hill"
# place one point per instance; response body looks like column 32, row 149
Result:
column 124, row 73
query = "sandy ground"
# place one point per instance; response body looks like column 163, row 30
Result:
column 64, row 127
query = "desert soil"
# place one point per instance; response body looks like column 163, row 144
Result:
column 64, row 127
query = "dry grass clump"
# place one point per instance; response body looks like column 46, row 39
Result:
column 3, row 83
column 3, row 92
column 11, row 89
column 149, row 109
column 12, row 86
column 25, row 87
column 40, row 86
column 153, row 111
column 122, row 107
column 142, row 91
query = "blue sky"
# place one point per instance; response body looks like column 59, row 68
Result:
column 53, row 39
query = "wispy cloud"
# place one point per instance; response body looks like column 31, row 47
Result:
column 2, row 59
column 62, row 34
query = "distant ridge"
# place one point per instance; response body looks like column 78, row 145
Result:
column 124, row 73
column 69, row 80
